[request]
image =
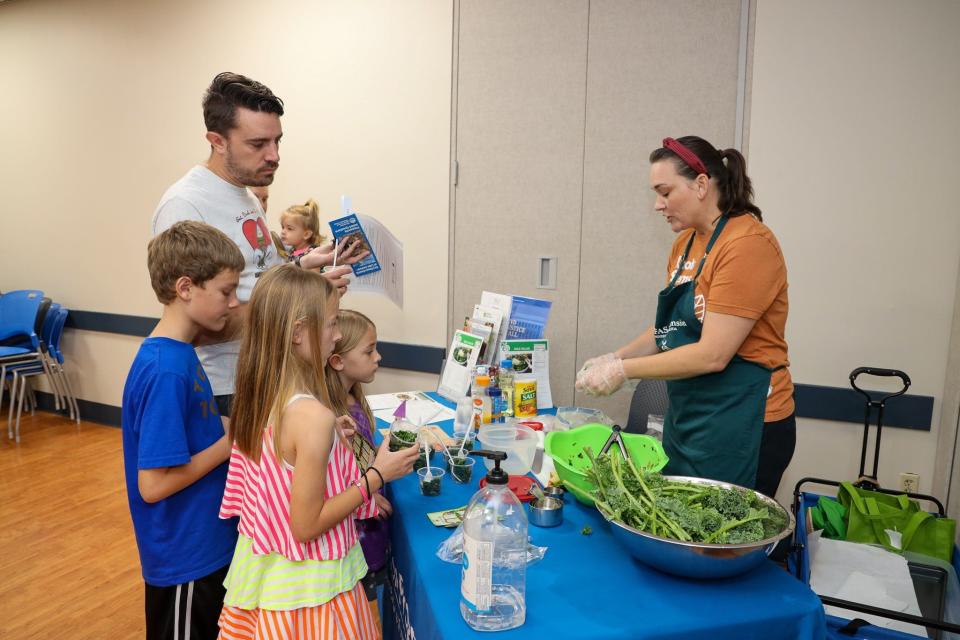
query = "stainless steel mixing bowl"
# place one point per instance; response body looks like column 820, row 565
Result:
column 698, row 559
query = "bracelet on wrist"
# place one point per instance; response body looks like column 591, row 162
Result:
column 363, row 493
column 383, row 483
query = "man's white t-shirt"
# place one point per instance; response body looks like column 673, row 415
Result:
column 204, row 196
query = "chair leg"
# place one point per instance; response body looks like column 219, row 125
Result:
column 13, row 401
column 3, row 387
column 33, row 400
column 56, row 382
column 58, row 400
column 23, row 388
column 71, row 397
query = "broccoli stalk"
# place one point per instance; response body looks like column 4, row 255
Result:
column 680, row 510
column 753, row 515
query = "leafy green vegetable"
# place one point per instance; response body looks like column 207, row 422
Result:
column 430, row 487
column 680, row 510
column 587, row 530
column 401, row 439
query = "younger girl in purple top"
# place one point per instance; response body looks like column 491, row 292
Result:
column 355, row 362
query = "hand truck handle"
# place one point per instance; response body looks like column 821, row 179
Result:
column 875, row 371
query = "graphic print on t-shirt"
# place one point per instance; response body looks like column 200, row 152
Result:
column 256, row 232
column 689, row 265
column 208, row 406
column 699, row 306
column 686, row 275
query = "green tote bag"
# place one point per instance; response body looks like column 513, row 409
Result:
column 871, row 514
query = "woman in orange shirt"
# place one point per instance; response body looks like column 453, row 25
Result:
column 718, row 339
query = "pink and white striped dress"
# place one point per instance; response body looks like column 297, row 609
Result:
column 260, row 494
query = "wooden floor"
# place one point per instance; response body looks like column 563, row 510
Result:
column 68, row 559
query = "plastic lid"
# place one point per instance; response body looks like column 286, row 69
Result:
column 519, row 485
column 483, row 381
column 506, row 363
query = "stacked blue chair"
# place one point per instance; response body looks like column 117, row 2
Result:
column 18, row 318
column 55, row 363
column 30, row 331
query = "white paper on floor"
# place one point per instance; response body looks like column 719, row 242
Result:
column 863, row 574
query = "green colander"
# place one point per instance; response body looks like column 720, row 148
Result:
column 567, row 450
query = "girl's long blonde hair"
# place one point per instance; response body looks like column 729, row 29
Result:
column 308, row 215
column 353, row 326
column 269, row 372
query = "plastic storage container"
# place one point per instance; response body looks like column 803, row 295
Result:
column 518, row 441
column 403, row 434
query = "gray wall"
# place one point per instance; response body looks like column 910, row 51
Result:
column 558, row 105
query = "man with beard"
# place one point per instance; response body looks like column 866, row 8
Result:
column 243, row 128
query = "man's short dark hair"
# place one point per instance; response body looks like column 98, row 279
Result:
column 231, row 90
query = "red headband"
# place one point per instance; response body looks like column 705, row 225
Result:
column 686, row 155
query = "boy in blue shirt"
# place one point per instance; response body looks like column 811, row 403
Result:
column 175, row 446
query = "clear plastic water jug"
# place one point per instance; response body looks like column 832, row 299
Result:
column 493, row 580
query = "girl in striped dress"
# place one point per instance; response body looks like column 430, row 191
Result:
column 293, row 480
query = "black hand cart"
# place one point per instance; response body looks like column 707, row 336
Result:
column 929, row 582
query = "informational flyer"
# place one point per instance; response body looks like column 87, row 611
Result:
column 347, row 231
column 502, row 304
column 491, row 317
column 387, row 278
column 461, row 360
column 421, row 408
column 485, row 331
column 528, row 318
column 531, row 360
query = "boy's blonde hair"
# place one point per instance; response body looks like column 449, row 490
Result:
column 269, row 372
column 308, row 215
column 353, row 326
column 192, row 249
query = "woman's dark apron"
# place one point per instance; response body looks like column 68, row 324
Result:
column 714, row 424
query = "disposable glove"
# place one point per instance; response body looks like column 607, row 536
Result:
column 602, row 378
column 597, row 360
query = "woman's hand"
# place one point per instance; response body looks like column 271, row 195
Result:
column 395, row 464
column 602, row 378
column 592, row 362
column 384, row 508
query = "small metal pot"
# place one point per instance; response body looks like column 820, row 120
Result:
column 547, row 512
column 554, row 492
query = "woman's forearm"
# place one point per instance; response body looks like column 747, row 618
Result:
column 683, row 362
column 720, row 340
column 642, row 345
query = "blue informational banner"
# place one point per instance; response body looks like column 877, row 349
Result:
column 347, row 230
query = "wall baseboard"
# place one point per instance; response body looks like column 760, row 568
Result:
column 90, row 411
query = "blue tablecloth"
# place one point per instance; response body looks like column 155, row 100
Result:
column 585, row 586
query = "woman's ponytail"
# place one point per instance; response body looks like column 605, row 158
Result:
column 736, row 189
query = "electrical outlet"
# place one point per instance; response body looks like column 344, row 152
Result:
column 909, row 482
